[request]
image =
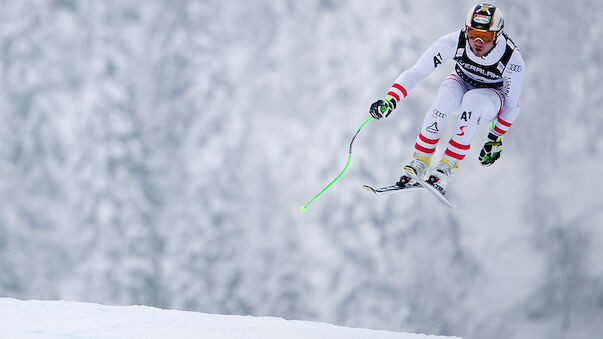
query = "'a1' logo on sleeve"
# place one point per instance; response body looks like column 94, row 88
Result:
column 437, row 60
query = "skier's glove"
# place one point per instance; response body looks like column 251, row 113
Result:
column 491, row 150
column 383, row 108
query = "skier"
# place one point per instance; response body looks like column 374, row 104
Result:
column 486, row 86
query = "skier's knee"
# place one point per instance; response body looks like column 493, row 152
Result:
column 448, row 98
column 451, row 90
column 473, row 101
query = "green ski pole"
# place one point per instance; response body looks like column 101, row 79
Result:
column 305, row 207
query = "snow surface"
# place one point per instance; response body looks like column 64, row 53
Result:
column 74, row 320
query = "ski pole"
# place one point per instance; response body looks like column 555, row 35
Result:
column 305, row 207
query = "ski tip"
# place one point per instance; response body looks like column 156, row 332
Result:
column 303, row 209
column 369, row 188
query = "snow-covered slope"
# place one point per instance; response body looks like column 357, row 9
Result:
column 73, row 320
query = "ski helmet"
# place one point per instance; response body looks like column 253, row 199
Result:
column 485, row 22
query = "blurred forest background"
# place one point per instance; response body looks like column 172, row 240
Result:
column 157, row 152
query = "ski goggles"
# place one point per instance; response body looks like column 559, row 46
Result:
column 479, row 34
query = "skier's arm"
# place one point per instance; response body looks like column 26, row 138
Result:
column 440, row 51
column 513, row 84
column 513, row 75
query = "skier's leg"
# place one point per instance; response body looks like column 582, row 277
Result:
column 497, row 98
column 501, row 127
column 448, row 100
column 478, row 105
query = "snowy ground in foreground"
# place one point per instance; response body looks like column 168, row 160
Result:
column 73, row 320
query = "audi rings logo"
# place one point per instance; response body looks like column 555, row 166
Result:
column 439, row 114
column 514, row 68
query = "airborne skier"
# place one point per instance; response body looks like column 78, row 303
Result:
column 486, row 86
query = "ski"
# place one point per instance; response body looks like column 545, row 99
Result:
column 421, row 184
column 434, row 191
column 391, row 189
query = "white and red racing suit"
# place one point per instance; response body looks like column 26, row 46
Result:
column 484, row 88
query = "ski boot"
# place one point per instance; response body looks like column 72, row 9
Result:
column 441, row 174
column 417, row 167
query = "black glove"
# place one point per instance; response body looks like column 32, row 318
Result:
column 383, row 108
column 491, row 150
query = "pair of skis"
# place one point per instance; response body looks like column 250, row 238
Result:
column 419, row 185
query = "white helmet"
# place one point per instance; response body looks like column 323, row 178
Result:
column 485, row 17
